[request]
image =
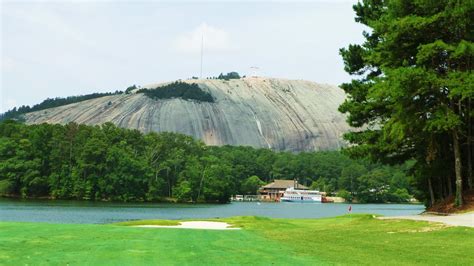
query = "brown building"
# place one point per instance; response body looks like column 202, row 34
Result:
column 274, row 191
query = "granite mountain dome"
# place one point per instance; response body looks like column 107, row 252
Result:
column 290, row 115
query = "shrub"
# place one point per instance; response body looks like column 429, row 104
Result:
column 130, row 89
column 344, row 194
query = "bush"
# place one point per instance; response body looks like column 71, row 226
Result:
column 6, row 187
column 130, row 89
column 400, row 195
column 344, row 194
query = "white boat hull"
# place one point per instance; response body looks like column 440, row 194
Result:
column 303, row 196
column 283, row 199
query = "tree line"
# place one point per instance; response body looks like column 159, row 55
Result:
column 414, row 90
column 105, row 162
column 16, row 113
column 173, row 90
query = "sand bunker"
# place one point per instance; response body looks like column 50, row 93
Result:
column 195, row 225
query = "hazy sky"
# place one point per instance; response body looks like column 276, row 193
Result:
column 63, row 48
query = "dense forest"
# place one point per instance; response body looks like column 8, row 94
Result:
column 178, row 89
column 414, row 90
column 109, row 163
column 50, row 103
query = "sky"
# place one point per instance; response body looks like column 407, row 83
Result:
column 63, row 48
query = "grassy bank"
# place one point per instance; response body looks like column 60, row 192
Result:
column 359, row 239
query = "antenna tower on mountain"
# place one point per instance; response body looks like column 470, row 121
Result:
column 254, row 71
column 202, row 51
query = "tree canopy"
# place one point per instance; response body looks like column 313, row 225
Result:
column 178, row 89
column 228, row 76
column 109, row 163
column 412, row 97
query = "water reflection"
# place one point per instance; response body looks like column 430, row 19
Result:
column 106, row 212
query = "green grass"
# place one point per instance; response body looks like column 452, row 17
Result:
column 359, row 239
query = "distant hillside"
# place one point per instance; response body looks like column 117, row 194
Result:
column 292, row 115
column 50, row 103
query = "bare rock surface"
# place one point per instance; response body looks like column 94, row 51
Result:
column 291, row 115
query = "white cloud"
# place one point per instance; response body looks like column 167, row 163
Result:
column 40, row 17
column 215, row 40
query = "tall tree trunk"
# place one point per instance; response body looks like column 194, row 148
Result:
column 200, row 184
column 170, row 186
column 443, row 193
column 469, row 146
column 458, row 168
column 70, row 159
column 430, row 187
column 450, row 185
column 469, row 166
column 352, row 188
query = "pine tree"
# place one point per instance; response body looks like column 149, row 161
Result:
column 413, row 95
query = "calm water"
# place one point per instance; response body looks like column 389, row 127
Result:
column 87, row 212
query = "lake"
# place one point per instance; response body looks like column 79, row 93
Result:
column 107, row 212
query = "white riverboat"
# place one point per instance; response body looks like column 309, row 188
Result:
column 298, row 195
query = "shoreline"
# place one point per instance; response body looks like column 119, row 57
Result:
column 173, row 201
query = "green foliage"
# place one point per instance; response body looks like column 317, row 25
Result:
column 251, row 185
column 50, row 103
column 344, row 194
column 109, row 163
column 400, row 195
column 182, row 191
column 413, row 94
column 5, row 187
column 130, row 89
column 178, row 89
column 228, row 76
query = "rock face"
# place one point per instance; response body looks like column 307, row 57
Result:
column 290, row 115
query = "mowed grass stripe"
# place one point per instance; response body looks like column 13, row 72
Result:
column 359, row 239
column 35, row 243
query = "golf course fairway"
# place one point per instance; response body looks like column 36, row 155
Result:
column 350, row 239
